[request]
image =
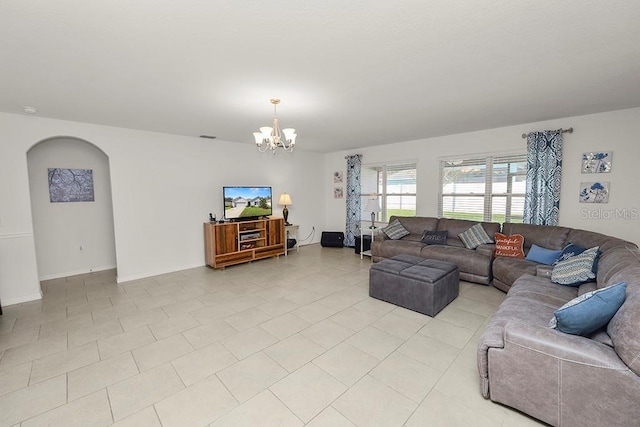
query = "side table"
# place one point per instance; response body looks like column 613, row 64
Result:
column 291, row 230
column 372, row 232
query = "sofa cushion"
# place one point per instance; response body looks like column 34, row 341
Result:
column 390, row 248
column 623, row 328
column 434, row 237
column 613, row 260
column 543, row 255
column 507, row 270
column 474, row 236
column 540, row 288
column 569, row 251
column 589, row 239
column 547, row 236
column 416, row 224
column 468, row 261
column 589, row 312
column 576, row 270
column 457, row 226
column 395, row 230
column 509, row 246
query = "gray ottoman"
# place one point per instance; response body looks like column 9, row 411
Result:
column 419, row 284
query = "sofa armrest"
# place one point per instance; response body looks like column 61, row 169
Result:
column 486, row 249
column 493, row 337
column 380, row 237
column 562, row 379
column 571, row 348
column 544, row 270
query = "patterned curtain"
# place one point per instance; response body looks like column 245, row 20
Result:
column 354, row 164
column 544, row 170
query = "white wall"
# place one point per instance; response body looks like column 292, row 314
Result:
column 163, row 188
column 615, row 131
column 71, row 238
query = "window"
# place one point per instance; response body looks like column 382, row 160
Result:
column 483, row 189
column 395, row 187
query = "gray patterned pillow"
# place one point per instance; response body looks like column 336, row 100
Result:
column 576, row 270
column 474, row 236
column 395, row 230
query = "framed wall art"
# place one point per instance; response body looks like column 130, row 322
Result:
column 596, row 162
column 594, row 192
column 70, row 185
column 338, row 193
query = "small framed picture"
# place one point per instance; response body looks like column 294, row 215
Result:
column 338, row 193
column 594, row 192
column 596, row 162
column 337, row 177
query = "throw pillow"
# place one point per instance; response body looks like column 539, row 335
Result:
column 509, row 246
column 569, row 251
column 474, row 236
column 589, row 312
column 395, row 230
column 577, row 269
column 543, row 255
column 435, row 237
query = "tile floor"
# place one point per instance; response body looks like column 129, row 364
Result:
column 278, row 342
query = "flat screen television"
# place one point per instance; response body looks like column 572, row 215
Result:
column 245, row 203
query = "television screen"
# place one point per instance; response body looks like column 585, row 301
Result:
column 246, row 202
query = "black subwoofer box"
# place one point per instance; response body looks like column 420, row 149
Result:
column 366, row 243
column 332, row 239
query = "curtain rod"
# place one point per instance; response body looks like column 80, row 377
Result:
column 570, row 130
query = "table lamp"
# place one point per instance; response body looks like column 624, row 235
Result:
column 285, row 200
column 373, row 206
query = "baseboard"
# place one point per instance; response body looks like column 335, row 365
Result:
column 20, row 300
column 76, row 273
column 129, row 278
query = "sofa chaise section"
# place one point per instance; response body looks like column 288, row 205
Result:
column 563, row 379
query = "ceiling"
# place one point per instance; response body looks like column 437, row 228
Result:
column 350, row 73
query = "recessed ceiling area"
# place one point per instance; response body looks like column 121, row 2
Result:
column 349, row 74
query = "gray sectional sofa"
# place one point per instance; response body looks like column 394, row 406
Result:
column 561, row 379
column 474, row 265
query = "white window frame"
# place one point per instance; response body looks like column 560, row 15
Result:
column 489, row 160
column 382, row 196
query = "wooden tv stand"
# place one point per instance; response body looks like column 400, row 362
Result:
column 237, row 242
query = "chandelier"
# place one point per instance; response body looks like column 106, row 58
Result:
column 270, row 138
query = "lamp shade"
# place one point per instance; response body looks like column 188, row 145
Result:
column 266, row 132
column 285, row 200
column 372, row 205
column 288, row 133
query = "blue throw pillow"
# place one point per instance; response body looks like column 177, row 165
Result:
column 569, row 251
column 543, row 255
column 589, row 312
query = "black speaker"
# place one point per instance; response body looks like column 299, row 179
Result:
column 332, row 239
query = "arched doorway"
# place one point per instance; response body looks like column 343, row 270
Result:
column 71, row 237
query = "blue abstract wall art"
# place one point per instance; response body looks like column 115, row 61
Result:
column 596, row 162
column 594, row 192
